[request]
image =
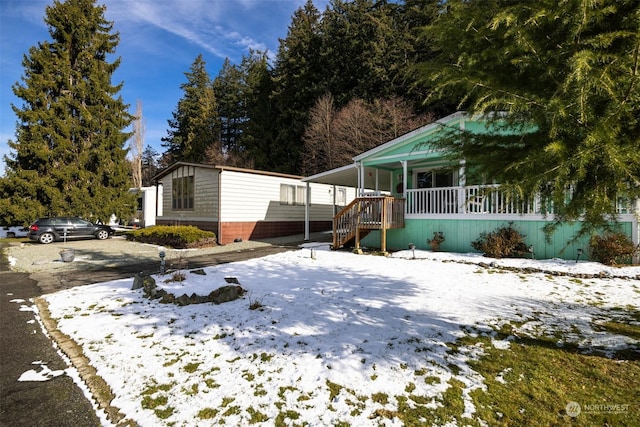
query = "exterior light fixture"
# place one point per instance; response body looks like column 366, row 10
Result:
column 162, row 254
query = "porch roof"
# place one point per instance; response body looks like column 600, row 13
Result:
column 347, row 176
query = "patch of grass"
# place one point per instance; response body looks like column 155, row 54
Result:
column 191, row 367
column 207, row 413
column 334, row 390
column 191, row 391
column 211, row 383
column 381, row 398
column 260, row 390
column 535, row 380
column 165, row 413
column 283, row 390
column 283, row 418
column 256, row 416
column 152, row 389
column 231, row 410
column 432, row 379
column 619, row 328
column 149, row 402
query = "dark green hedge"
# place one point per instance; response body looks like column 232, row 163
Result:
column 174, row 236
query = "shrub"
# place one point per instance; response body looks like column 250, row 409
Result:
column 178, row 237
column 612, row 249
column 438, row 238
column 504, row 242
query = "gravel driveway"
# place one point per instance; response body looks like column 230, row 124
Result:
column 33, row 257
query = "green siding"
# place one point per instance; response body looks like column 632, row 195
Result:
column 459, row 233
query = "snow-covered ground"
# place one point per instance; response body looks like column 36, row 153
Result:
column 334, row 330
column 15, row 231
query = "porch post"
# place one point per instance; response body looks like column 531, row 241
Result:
column 383, row 221
column 462, row 183
column 307, row 202
column 360, row 179
column 404, row 177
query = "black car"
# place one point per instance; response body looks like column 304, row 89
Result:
column 47, row 230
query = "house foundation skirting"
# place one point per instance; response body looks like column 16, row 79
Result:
column 253, row 230
column 231, row 231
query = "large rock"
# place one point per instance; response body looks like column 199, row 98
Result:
column 150, row 290
column 226, row 294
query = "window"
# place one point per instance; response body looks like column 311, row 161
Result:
column 182, row 189
column 293, row 194
column 434, row 179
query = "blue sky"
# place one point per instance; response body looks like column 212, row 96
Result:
column 159, row 40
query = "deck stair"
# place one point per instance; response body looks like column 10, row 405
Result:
column 365, row 214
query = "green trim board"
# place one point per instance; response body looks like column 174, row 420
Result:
column 459, row 233
column 416, row 145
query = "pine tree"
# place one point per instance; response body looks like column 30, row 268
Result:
column 568, row 74
column 69, row 156
column 195, row 125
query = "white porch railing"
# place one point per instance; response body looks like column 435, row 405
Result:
column 482, row 199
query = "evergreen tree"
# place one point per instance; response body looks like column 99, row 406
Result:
column 568, row 74
column 195, row 125
column 260, row 128
column 299, row 80
column 229, row 87
column 364, row 49
column 150, row 166
column 69, row 156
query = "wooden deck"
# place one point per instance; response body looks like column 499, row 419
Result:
column 364, row 214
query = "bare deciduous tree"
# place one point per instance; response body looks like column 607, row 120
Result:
column 318, row 150
column 333, row 138
column 136, row 146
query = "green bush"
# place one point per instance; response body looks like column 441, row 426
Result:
column 174, row 236
column 504, row 242
column 612, row 249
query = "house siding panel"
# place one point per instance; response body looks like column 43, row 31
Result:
column 205, row 197
column 460, row 233
column 245, row 204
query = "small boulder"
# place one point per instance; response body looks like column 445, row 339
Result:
column 226, row 294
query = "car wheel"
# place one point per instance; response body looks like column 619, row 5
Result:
column 46, row 238
column 102, row 234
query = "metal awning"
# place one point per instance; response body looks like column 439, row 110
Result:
column 347, row 176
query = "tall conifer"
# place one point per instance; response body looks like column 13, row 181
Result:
column 195, row 125
column 69, row 156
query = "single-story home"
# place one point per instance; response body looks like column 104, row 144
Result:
column 238, row 203
column 419, row 191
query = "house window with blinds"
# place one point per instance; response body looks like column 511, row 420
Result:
column 293, row 194
column 182, row 194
